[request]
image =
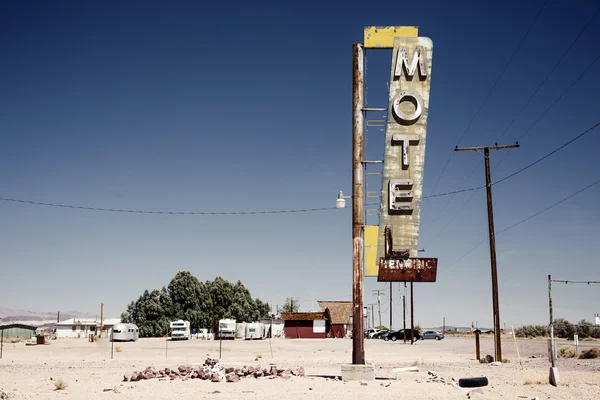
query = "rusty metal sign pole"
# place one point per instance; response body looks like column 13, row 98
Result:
column 358, row 342
column 492, row 236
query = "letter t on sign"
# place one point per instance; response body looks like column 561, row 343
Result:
column 405, row 141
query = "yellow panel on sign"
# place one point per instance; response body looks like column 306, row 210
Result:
column 382, row 37
column 371, row 264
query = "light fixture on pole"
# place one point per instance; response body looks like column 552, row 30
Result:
column 341, row 200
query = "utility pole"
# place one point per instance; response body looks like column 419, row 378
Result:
column 358, row 150
column 391, row 306
column 372, row 315
column 552, row 353
column 488, row 185
column 444, row 327
column 378, row 293
column 412, row 315
column 404, row 311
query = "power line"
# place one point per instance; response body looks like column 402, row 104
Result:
column 524, row 220
column 524, row 107
column 300, row 210
column 567, row 282
column 550, row 73
column 490, row 91
column 117, row 210
column 548, row 155
column 518, row 139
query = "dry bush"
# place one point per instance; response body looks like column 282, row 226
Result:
column 487, row 359
column 566, row 352
column 536, row 379
column 118, row 349
column 60, row 385
column 418, row 362
column 259, row 355
column 590, row 353
column 506, row 361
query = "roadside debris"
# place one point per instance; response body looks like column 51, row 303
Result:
column 213, row 371
column 434, row 377
column 406, row 369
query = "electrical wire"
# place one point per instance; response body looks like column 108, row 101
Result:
column 524, row 107
column 549, row 154
column 300, row 210
column 523, row 221
column 550, row 73
column 490, row 91
column 117, row 210
column 518, row 139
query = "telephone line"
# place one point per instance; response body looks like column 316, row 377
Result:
column 301, row 210
column 490, row 91
column 526, row 104
column 524, row 220
column 563, row 94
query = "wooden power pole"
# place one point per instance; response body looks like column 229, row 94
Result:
column 492, row 236
column 358, row 152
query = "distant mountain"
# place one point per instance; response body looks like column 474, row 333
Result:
column 11, row 315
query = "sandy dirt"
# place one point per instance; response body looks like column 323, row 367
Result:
column 30, row 372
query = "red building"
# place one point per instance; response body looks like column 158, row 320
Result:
column 338, row 317
column 304, row 325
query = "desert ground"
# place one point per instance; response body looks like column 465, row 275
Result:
column 31, row 372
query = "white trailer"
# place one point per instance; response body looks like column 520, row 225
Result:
column 255, row 331
column 226, row 329
column 180, row 330
column 125, row 333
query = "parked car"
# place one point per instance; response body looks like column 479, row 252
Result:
column 433, row 335
column 399, row 335
column 370, row 332
column 380, row 335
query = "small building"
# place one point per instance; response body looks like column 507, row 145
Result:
column 17, row 331
column 273, row 327
column 305, row 325
column 338, row 316
column 76, row 328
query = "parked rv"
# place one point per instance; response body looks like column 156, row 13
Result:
column 125, row 333
column 255, row 331
column 180, row 330
column 226, row 330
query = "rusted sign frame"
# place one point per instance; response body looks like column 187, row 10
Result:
column 397, row 266
column 407, row 270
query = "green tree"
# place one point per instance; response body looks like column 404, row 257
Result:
column 189, row 299
column 563, row 329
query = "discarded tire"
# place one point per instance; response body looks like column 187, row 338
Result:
column 473, row 382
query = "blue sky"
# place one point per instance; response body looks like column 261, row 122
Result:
column 144, row 105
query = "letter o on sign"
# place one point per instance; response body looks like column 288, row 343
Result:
column 414, row 98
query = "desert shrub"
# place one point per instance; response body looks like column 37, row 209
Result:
column 590, row 353
column 566, row 352
column 563, row 329
column 487, row 359
column 118, row 349
column 60, row 385
column 531, row 331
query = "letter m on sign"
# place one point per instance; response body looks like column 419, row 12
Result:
column 418, row 61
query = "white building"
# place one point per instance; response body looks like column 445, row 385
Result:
column 277, row 325
column 76, row 328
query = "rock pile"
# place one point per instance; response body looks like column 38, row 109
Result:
column 212, row 371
